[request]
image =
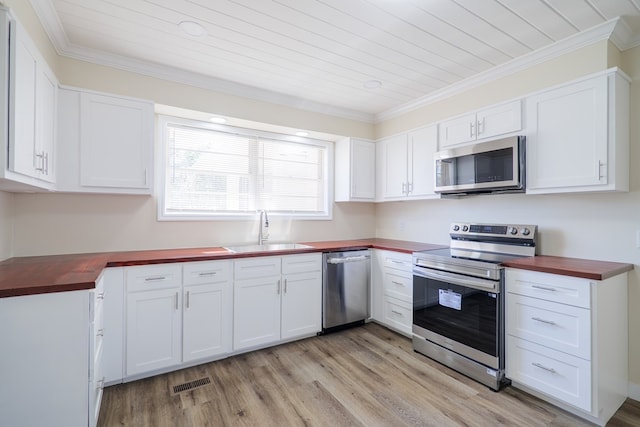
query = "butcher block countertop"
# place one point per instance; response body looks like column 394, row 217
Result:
column 61, row 273
column 576, row 267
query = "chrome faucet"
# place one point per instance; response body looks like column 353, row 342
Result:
column 263, row 234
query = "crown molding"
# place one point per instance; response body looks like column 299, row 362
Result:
column 562, row 47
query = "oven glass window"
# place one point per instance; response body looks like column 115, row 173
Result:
column 462, row 314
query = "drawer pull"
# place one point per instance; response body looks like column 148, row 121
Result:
column 396, row 312
column 548, row 322
column 543, row 288
column 177, row 297
column 537, row 365
column 208, row 273
column 397, row 283
column 154, row 278
column 100, row 333
column 100, row 295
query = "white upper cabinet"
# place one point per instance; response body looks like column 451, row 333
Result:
column 106, row 143
column 577, row 138
column 405, row 165
column 355, row 170
column 28, row 111
column 486, row 123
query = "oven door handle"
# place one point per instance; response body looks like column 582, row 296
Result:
column 457, row 279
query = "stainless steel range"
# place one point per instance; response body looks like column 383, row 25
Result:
column 458, row 298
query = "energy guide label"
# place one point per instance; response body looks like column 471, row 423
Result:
column 448, row 298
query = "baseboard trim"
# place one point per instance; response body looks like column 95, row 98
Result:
column 634, row 391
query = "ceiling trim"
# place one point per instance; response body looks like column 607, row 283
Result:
column 598, row 33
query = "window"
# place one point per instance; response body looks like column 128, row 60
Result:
column 215, row 171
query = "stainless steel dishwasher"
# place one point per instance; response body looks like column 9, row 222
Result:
column 345, row 289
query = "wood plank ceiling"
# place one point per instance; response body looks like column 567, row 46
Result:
column 321, row 53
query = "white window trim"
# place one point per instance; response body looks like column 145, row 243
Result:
column 163, row 120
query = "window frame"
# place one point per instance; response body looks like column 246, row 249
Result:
column 161, row 168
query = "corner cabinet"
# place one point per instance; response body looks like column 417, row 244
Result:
column 355, row 170
column 566, row 340
column 106, row 143
column 578, row 136
column 405, row 165
column 28, row 111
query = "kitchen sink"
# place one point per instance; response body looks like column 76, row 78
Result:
column 267, row 247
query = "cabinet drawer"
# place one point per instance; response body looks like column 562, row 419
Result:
column 198, row 273
column 560, row 327
column 398, row 284
column 398, row 314
column 398, row 261
column 251, row 268
column 303, row 263
column 551, row 372
column 149, row 277
column 550, row 287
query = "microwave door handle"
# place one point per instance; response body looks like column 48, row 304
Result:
column 480, row 284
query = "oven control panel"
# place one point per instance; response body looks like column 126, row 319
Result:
column 514, row 231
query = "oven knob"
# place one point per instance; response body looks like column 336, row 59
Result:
column 465, row 228
column 513, row 231
column 525, row 231
column 456, row 227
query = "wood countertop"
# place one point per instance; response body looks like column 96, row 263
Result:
column 576, row 267
column 61, row 273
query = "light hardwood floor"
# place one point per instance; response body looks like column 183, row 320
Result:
column 366, row 376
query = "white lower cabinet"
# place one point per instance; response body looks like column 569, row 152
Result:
column 45, row 364
column 276, row 298
column 567, row 340
column 392, row 292
column 154, row 317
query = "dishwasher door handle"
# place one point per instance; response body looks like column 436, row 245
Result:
column 347, row 259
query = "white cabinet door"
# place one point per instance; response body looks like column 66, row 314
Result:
column 22, row 128
column 458, row 130
column 116, row 136
column 355, row 170
column 499, row 120
column 46, row 118
column 256, row 311
column 114, row 332
column 301, row 304
column 207, row 320
column 154, row 329
column 423, row 143
column 568, row 143
column 393, row 167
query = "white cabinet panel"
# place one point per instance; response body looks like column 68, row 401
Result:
column 301, row 304
column 551, row 287
column 256, row 312
column 392, row 290
column 398, row 314
column 250, row 268
column 114, row 316
column 578, row 137
column 355, row 170
column 393, row 167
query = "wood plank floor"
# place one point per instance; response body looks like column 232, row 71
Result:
column 366, row 376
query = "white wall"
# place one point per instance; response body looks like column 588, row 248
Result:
column 6, row 224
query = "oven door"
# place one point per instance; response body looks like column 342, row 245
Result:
column 458, row 312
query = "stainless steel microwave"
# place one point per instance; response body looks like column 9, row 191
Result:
column 484, row 167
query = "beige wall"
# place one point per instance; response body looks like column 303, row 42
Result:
column 6, row 224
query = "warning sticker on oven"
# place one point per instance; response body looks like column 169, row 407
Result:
column 450, row 299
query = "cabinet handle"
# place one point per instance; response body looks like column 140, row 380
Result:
column 601, row 164
column 278, row 287
column 548, row 322
column 471, row 129
column 208, row 273
column 100, row 295
column 285, row 286
column 409, row 188
column 40, row 165
column 100, row 333
column 480, row 127
column 145, row 176
column 397, row 283
column 188, row 302
column 396, row 312
column 537, row 365
column 154, row 278
column 544, row 288
column 177, row 296
column 404, row 186
column 45, row 162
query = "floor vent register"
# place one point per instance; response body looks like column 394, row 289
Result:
column 191, row 385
